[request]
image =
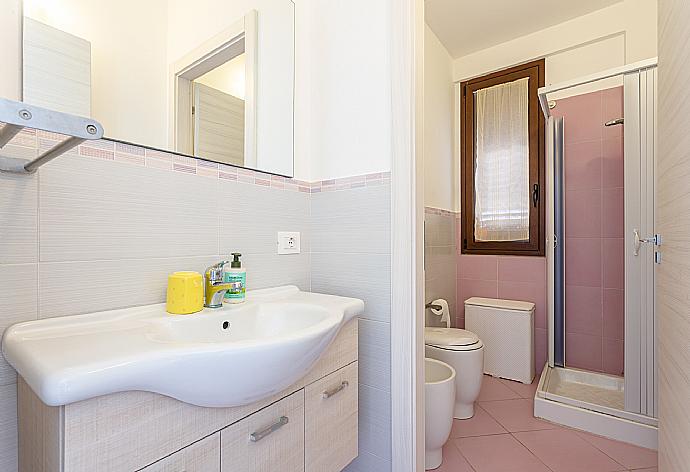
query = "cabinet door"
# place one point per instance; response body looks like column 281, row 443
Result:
column 330, row 421
column 202, row 456
column 270, row 440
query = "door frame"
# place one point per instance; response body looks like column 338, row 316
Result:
column 407, row 238
column 241, row 36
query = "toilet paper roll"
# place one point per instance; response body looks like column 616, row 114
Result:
column 444, row 312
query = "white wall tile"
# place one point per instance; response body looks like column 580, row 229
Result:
column 8, row 428
column 95, row 210
column 18, row 302
column 375, row 422
column 367, row 462
column 352, row 221
column 375, row 354
column 251, row 216
column 18, row 219
column 365, row 276
column 271, row 270
column 70, row 288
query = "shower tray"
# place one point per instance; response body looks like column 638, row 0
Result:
column 592, row 402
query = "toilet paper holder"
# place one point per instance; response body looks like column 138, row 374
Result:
column 433, row 306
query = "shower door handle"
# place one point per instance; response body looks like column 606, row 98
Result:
column 637, row 241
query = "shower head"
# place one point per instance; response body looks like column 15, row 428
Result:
column 617, row 121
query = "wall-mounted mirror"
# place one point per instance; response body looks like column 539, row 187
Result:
column 211, row 79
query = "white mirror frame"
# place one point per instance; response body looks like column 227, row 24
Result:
column 243, row 34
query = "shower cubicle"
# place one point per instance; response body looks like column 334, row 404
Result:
column 602, row 250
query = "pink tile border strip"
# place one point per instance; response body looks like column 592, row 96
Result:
column 136, row 155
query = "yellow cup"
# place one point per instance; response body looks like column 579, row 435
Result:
column 185, row 293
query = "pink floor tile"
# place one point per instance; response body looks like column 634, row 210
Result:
column 481, row 424
column 494, row 389
column 564, row 451
column 524, row 390
column 630, row 456
column 453, row 460
column 498, row 453
column 516, row 415
column 650, row 469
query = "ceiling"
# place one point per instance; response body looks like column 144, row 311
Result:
column 466, row 26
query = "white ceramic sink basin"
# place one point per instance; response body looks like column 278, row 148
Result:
column 222, row 357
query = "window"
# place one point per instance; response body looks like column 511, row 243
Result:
column 502, row 163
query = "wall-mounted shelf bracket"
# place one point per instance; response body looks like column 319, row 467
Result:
column 17, row 115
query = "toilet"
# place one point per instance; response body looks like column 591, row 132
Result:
column 464, row 351
column 439, row 399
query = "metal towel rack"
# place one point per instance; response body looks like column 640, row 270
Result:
column 18, row 115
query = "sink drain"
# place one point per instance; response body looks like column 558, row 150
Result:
column 226, row 324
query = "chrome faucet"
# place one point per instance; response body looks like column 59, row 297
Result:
column 214, row 287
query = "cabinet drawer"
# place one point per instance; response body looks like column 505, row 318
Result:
column 269, row 440
column 202, row 456
column 331, row 421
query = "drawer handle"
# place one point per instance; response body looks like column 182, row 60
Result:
column 333, row 391
column 259, row 435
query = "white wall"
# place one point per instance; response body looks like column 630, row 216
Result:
column 440, row 173
column 344, row 82
column 10, row 50
column 620, row 34
column 673, row 164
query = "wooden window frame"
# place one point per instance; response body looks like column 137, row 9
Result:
column 536, row 246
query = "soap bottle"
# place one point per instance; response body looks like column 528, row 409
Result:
column 235, row 274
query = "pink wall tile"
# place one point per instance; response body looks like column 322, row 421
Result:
column 613, row 209
column 468, row 288
column 583, row 351
column 583, row 313
column 583, row 215
column 527, row 292
column 522, row 269
column 613, row 356
column 584, row 117
column 594, row 264
column 612, row 102
column 614, row 255
column 612, row 163
column 541, row 346
column 583, row 262
column 477, row 267
column 614, row 313
column 583, row 165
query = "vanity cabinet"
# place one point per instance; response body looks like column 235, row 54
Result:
column 201, row 456
column 310, row 426
column 271, row 439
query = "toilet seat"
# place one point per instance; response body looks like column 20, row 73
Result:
column 452, row 339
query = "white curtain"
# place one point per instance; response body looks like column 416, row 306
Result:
column 502, row 192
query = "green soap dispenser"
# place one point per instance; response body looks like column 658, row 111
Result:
column 237, row 275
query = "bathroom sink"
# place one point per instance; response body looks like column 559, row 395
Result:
column 222, row 357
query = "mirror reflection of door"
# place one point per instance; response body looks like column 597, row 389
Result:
column 218, row 113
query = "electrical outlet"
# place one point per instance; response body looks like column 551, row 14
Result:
column 288, row 242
